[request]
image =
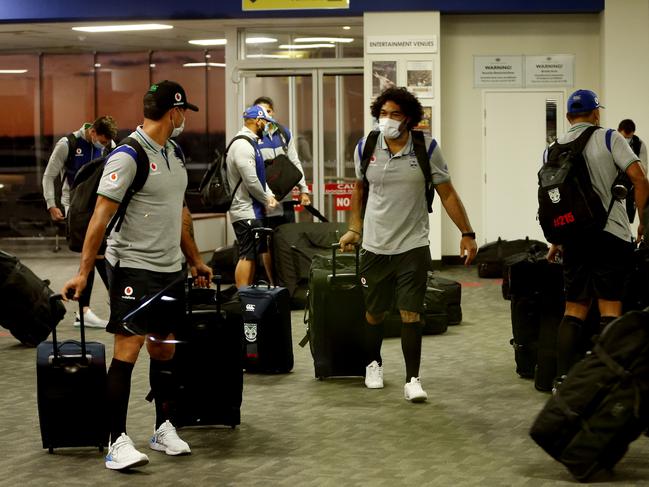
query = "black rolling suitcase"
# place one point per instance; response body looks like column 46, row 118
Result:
column 209, row 360
column 335, row 316
column 266, row 314
column 27, row 310
column 603, row 404
column 71, row 390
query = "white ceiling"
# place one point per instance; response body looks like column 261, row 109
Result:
column 59, row 37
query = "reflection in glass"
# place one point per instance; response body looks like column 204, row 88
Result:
column 550, row 121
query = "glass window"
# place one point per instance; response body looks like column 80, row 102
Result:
column 122, row 81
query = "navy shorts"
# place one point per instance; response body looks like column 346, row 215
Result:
column 596, row 267
column 246, row 239
column 388, row 277
column 130, row 287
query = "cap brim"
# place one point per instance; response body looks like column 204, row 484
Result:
column 191, row 107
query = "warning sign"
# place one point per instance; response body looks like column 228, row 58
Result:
column 342, row 194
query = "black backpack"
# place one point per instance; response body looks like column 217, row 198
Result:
column 419, row 144
column 215, row 191
column 83, row 195
column 569, row 207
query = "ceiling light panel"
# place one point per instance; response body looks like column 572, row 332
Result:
column 122, row 28
column 208, row 42
column 344, row 40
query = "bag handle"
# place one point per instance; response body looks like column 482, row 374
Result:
column 82, row 328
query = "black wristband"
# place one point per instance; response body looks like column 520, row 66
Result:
column 469, row 234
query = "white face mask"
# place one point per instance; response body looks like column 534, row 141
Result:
column 177, row 130
column 628, row 139
column 98, row 145
column 391, row 129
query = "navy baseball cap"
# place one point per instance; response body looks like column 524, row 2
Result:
column 583, row 101
column 257, row 111
column 169, row 94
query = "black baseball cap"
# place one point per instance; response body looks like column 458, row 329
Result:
column 168, row 95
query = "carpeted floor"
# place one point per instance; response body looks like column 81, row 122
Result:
column 298, row 431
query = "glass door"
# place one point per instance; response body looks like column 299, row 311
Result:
column 324, row 111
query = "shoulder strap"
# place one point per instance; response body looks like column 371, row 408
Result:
column 579, row 144
column 225, row 155
column 72, row 147
column 368, row 152
column 284, row 136
column 423, row 157
column 636, row 145
column 178, row 151
column 609, row 135
column 141, row 175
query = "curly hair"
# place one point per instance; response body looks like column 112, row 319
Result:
column 408, row 103
column 106, row 126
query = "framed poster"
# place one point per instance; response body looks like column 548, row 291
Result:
column 384, row 76
column 419, row 77
column 426, row 124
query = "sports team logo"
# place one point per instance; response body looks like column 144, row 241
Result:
column 154, row 166
column 250, row 307
column 250, row 331
column 113, row 177
column 178, row 97
column 554, row 195
column 79, row 151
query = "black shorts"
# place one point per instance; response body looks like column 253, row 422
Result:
column 597, row 267
column 130, row 287
column 246, row 239
column 401, row 277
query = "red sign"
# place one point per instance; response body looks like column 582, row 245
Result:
column 342, row 193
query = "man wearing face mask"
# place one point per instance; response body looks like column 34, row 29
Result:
column 145, row 257
column 639, row 148
column 596, row 266
column 395, row 255
column 69, row 155
column 246, row 171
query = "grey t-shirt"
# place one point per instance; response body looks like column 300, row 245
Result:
column 396, row 216
column 150, row 234
column 603, row 168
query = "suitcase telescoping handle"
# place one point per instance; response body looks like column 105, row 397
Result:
column 259, row 232
column 216, row 279
column 82, row 327
column 334, row 247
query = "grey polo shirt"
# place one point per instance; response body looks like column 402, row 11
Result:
column 602, row 167
column 396, row 217
column 150, row 234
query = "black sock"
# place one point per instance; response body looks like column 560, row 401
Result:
column 118, row 391
column 373, row 342
column 569, row 343
column 163, row 387
column 411, row 347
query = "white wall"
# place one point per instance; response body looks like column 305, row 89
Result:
column 462, row 37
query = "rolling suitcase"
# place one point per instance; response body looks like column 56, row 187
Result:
column 71, row 389
column 603, row 403
column 335, row 316
column 27, row 310
column 266, row 314
column 209, row 360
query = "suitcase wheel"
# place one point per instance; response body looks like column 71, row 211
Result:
column 320, row 378
column 50, row 450
column 234, row 426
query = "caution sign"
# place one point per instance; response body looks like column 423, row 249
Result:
column 342, row 195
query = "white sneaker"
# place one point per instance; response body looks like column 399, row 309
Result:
column 90, row 320
column 122, row 454
column 167, row 440
column 374, row 376
column 413, row 391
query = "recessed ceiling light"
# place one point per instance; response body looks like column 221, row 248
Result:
column 202, row 65
column 324, row 39
column 304, row 46
column 97, row 65
column 13, row 71
column 208, row 42
column 122, row 28
column 346, row 27
column 260, row 40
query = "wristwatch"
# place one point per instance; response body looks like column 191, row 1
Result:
column 469, row 234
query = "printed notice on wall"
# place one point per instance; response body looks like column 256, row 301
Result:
column 419, row 75
column 384, row 76
column 292, row 4
column 498, row 71
column 426, row 123
column 552, row 70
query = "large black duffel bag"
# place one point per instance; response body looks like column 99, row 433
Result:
column 602, row 405
column 491, row 256
column 27, row 310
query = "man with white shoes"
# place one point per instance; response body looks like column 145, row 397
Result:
column 145, row 258
column 390, row 209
